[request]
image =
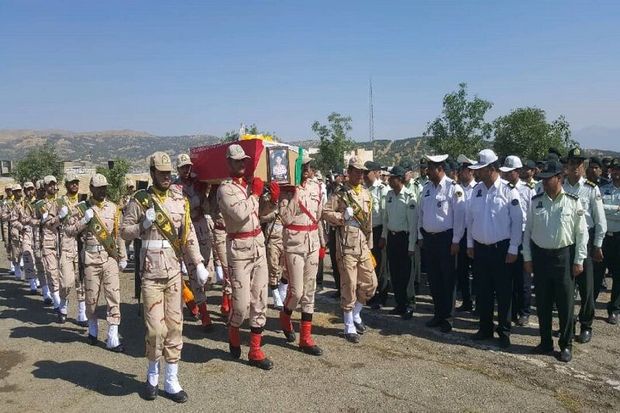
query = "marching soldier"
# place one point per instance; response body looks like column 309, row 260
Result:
column 239, row 204
column 160, row 216
column 15, row 233
column 69, row 267
column 554, row 248
column 275, row 256
column 104, row 255
column 7, row 202
column 37, row 242
column 50, row 224
column 197, row 203
column 301, row 214
column 350, row 211
column 25, row 213
column 591, row 200
column 611, row 245
column 220, row 256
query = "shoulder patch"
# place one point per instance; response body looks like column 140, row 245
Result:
column 511, row 185
column 573, row 196
column 514, row 202
column 538, row 195
column 592, row 184
column 458, row 194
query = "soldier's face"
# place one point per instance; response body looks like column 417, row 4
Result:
column 511, row 176
column 395, row 182
column 434, row 172
column 552, row 185
column 307, row 171
column 8, row 193
column 355, row 176
column 526, row 174
column 575, row 168
column 465, row 174
column 161, row 179
column 595, row 171
column 237, row 167
column 98, row 192
column 29, row 192
column 51, row 188
column 73, row 187
column 184, row 171
column 17, row 194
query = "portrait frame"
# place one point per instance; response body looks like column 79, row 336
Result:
column 278, row 164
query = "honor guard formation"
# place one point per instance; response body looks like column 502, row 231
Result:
column 503, row 235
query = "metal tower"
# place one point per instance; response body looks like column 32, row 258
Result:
column 371, row 115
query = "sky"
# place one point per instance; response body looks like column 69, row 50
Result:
column 187, row 67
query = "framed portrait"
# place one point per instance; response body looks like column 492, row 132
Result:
column 278, row 164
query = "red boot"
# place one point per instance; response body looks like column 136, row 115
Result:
column 225, row 307
column 234, row 342
column 256, row 355
column 193, row 308
column 306, row 343
column 207, row 324
column 287, row 326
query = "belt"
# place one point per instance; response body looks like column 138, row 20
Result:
column 220, row 227
column 293, row 227
column 425, row 233
column 398, row 232
column 352, row 223
column 495, row 244
column 242, row 235
column 94, row 248
column 551, row 250
column 155, row 244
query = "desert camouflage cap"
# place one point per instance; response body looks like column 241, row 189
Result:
column 49, row 179
column 236, row 152
column 161, row 161
column 39, row 184
column 183, row 159
column 71, row 177
column 28, row 185
column 9, row 187
column 130, row 183
column 356, row 162
column 17, row 187
column 98, row 180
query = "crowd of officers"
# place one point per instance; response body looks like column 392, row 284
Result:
column 483, row 227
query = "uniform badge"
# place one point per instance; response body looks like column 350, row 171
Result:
column 580, row 212
column 539, row 205
column 515, row 202
column 459, row 194
column 479, row 194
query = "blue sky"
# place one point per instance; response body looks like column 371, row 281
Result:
column 177, row 67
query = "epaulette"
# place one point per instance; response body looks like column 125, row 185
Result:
column 575, row 197
column 531, row 185
column 511, row 185
column 592, row 184
column 538, row 195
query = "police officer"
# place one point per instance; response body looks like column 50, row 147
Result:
column 611, row 245
column 160, row 216
column 464, row 263
column 494, row 224
column 554, row 248
column 591, row 200
column 441, row 227
column 238, row 200
column 104, row 255
column 378, row 191
column 399, row 234
column 350, row 211
column 594, row 172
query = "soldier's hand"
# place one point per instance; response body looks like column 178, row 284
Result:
column 528, row 267
column 64, row 211
column 470, row 253
column 122, row 264
column 257, row 186
column 577, row 270
column 348, row 213
column 597, row 254
column 511, row 258
column 149, row 218
column 381, row 243
column 455, row 248
column 202, row 273
column 44, row 217
column 411, row 253
column 88, row 215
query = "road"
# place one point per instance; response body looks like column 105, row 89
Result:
column 399, row 365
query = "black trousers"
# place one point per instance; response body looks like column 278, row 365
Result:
column 585, row 284
column 331, row 243
column 554, row 282
column 521, row 289
column 494, row 281
column 441, row 272
column 400, row 266
column 383, row 283
column 612, row 256
column 463, row 267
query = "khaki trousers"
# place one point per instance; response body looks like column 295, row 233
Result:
column 275, row 260
column 221, row 257
column 163, row 318
column 52, row 273
column 302, row 269
column 104, row 277
column 358, row 281
column 69, row 268
column 249, row 278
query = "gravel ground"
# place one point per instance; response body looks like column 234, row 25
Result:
column 398, row 366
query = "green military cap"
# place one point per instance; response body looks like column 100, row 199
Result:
column 595, row 160
column 398, row 171
column 406, row 164
column 577, row 154
column 615, row 163
column 373, row 166
column 551, row 168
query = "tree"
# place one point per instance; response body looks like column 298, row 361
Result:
column 334, row 142
column 39, row 163
column 525, row 132
column 116, row 178
column 461, row 128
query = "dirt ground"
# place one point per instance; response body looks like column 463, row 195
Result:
column 399, row 365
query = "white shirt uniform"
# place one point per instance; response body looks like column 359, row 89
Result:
column 378, row 191
column 590, row 196
column 401, row 214
column 494, row 214
column 526, row 192
column 442, row 207
column 611, row 205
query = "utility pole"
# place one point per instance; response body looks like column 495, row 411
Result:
column 371, row 115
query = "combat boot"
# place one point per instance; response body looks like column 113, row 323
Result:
column 256, row 355
column 225, row 307
column 287, row 326
column 207, row 324
column 306, row 343
column 234, row 342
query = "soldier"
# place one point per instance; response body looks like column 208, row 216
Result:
column 50, row 227
column 275, row 256
column 25, row 212
column 220, row 256
column 239, row 203
column 15, row 233
column 301, row 214
column 37, row 242
column 494, row 233
column 104, row 255
column 350, row 211
column 441, row 226
column 611, row 245
column 160, row 216
column 69, row 266
column 594, row 172
column 195, row 193
column 4, row 218
column 554, row 248
column 379, row 192
column 591, row 200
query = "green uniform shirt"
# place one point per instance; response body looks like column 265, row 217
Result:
column 401, row 214
column 611, row 205
column 556, row 223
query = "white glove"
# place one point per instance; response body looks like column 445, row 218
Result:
column 63, row 212
column 149, row 218
column 219, row 274
column 202, row 273
column 348, row 213
column 183, row 268
column 88, row 215
column 44, row 216
column 122, row 264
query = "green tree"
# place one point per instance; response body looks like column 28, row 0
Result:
column 525, row 132
column 39, row 163
column 116, row 178
column 334, row 142
column 461, row 128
